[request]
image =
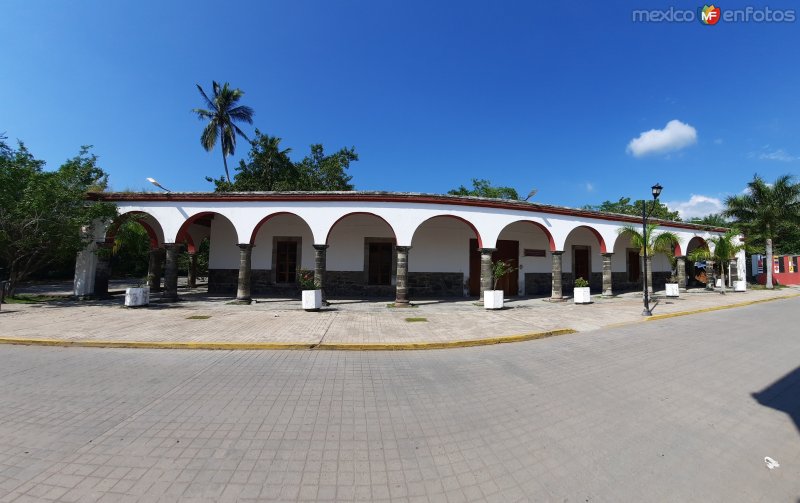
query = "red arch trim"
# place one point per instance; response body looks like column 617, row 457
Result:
column 541, row 227
column 184, row 235
column 268, row 218
column 477, row 234
column 328, row 237
column 597, row 235
column 677, row 251
column 111, row 234
column 183, row 232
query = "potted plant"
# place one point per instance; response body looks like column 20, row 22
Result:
column 671, row 287
column 137, row 296
column 312, row 295
column 582, row 294
column 493, row 299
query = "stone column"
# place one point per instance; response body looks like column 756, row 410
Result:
column 486, row 269
column 401, row 284
column 154, row 269
column 85, row 271
column 681, row 266
column 557, row 294
column 192, row 279
column 171, row 272
column 608, row 291
column 320, row 264
column 710, row 278
column 103, row 272
column 243, row 288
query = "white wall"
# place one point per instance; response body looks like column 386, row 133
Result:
column 284, row 225
column 346, row 241
column 441, row 245
column 223, row 251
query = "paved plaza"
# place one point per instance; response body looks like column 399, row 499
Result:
column 680, row 409
column 203, row 320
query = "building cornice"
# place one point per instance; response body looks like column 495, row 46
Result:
column 381, row 197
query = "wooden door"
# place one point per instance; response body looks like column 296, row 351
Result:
column 634, row 266
column 474, row 268
column 582, row 268
column 508, row 251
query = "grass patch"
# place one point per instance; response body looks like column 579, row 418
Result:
column 416, row 320
column 31, row 299
column 199, row 317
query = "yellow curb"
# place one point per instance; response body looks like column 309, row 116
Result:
column 397, row 346
column 717, row 308
column 276, row 346
column 153, row 345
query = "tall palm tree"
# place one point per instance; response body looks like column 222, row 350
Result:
column 663, row 242
column 222, row 114
column 725, row 249
column 766, row 211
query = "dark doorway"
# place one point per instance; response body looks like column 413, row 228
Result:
column 286, row 262
column 582, row 267
column 508, row 251
column 634, row 266
column 380, row 264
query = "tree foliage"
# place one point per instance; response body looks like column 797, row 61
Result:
column 269, row 168
column 768, row 215
column 222, row 114
column 767, row 211
column 42, row 212
column 484, row 188
column 662, row 242
column 625, row 207
column 725, row 247
column 713, row 220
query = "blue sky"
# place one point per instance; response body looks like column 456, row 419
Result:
column 528, row 94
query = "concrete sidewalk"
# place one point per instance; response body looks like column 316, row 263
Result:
column 207, row 322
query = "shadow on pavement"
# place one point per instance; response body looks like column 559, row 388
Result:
column 783, row 395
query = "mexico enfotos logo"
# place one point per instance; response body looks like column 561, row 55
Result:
column 710, row 15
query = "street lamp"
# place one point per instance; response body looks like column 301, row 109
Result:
column 645, row 241
column 154, row 182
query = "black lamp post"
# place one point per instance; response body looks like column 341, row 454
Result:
column 645, row 215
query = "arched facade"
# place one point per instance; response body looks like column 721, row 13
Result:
column 341, row 234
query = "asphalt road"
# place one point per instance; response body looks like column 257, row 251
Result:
column 684, row 409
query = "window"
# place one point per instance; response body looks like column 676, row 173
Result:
column 380, row 264
column 286, row 261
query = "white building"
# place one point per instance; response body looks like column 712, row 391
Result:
column 408, row 245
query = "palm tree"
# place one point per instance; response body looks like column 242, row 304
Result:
column 663, row 242
column 766, row 211
column 222, row 114
column 725, row 249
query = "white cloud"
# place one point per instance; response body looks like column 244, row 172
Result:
column 778, row 155
column 675, row 136
column 697, row 206
column 589, row 187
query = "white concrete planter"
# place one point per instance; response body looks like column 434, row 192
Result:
column 136, row 297
column 672, row 290
column 312, row 300
column 740, row 286
column 493, row 299
column 582, row 295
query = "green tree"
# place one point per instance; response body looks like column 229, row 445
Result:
column 713, row 220
column 484, row 188
column 624, row 207
column 222, row 114
column 42, row 212
column 269, row 168
column 726, row 247
column 662, row 242
column 767, row 213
